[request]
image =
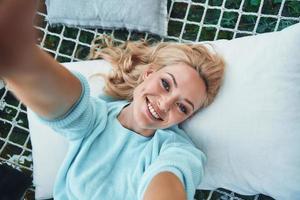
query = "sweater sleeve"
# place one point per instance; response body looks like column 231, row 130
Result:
column 182, row 159
column 82, row 118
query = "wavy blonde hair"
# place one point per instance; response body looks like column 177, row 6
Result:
column 130, row 59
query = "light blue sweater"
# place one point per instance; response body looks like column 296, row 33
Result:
column 107, row 161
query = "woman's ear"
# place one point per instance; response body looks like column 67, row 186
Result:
column 148, row 72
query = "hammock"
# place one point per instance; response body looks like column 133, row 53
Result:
column 189, row 21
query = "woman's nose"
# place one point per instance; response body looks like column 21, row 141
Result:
column 165, row 103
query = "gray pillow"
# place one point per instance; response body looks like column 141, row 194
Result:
column 145, row 15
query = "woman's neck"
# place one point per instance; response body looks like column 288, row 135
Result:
column 126, row 119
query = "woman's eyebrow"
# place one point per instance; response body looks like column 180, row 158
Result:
column 173, row 78
column 175, row 83
column 190, row 103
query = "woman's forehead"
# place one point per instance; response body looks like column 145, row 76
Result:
column 182, row 73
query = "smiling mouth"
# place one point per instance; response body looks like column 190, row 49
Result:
column 151, row 110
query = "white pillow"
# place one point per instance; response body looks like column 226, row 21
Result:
column 1, row 84
column 146, row 15
column 250, row 133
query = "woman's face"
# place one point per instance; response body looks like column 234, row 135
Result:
column 167, row 96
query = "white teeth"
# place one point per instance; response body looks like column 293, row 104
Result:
column 153, row 111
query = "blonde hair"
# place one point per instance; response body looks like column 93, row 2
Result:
column 130, row 59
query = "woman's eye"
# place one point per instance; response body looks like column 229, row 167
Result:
column 182, row 108
column 165, row 84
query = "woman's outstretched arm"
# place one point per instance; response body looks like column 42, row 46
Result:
column 31, row 74
column 165, row 186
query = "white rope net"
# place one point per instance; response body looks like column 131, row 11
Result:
column 188, row 21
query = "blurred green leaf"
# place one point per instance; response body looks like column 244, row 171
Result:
column 255, row 2
column 294, row 8
column 277, row 1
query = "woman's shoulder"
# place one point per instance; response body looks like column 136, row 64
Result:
column 113, row 105
column 180, row 132
column 174, row 134
column 176, row 140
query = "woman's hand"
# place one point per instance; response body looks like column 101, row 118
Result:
column 17, row 35
column 33, row 76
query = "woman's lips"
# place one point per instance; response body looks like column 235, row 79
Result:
column 149, row 112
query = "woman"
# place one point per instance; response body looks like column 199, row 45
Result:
column 125, row 149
